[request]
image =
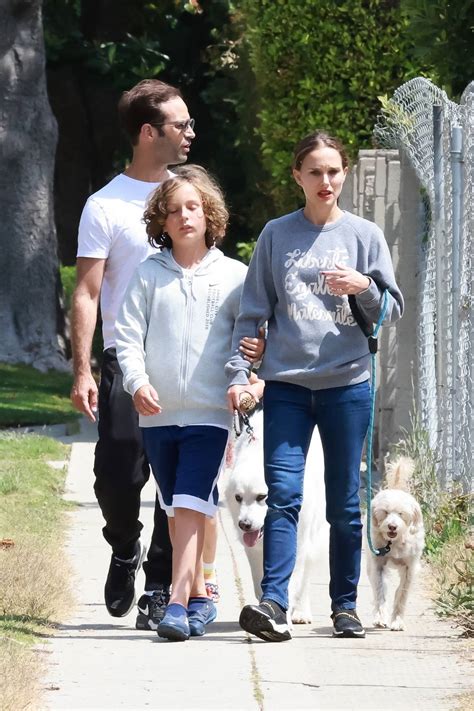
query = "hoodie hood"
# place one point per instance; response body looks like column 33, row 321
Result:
column 165, row 258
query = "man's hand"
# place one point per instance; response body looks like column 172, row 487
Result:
column 253, row 348
column 84, row 395
column 146, row 401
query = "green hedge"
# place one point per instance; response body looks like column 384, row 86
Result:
column 322, row 64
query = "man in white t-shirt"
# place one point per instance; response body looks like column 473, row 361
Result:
column 112, row 242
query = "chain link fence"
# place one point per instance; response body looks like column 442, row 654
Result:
column 437, row 136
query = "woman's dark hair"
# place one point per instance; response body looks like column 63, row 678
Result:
column 213, row 205
column 316, row 140
column 142, row 104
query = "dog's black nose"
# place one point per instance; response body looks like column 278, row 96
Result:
column 245, row 525
column 391, row 527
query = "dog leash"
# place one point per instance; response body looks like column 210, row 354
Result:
column 371, row 334
column 241, row 421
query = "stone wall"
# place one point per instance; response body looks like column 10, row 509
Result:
column 382, row 187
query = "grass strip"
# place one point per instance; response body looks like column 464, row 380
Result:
column 33, row 575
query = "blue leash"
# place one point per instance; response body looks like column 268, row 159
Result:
column 373, row 347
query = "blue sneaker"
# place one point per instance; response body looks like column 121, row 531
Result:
column 174, row 625
column 201, row 612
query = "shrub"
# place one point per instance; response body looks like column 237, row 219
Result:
column 455, row 582
column 442, row 32
column 320, row 64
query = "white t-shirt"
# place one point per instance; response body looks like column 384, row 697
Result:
column 112, row 228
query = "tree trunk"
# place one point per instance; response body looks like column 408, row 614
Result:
column 31, row 320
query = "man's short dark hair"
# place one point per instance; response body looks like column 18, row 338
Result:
column 142, row 104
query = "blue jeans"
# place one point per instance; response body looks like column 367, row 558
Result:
column 342, row 416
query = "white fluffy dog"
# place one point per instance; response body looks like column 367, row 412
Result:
column 246, row 494
column 396, row 518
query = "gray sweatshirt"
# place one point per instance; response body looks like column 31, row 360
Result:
column 313, row 339
column 174, row 330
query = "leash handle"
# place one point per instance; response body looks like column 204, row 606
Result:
column 237, row 423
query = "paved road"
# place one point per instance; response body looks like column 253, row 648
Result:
column 96, row 662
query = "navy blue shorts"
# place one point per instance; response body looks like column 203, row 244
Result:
column 186, row 463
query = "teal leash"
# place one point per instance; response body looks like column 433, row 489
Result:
column 373, row 347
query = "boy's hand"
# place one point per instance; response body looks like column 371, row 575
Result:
column 234, row 394
column 146, row 401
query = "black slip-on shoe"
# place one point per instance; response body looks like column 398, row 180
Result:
column 347, row 624
column 268, row 621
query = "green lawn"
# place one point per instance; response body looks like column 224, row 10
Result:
column 30, row 489
column 34, row 577
column 34, row 587
column 29, row 397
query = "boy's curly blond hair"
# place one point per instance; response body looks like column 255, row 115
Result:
column 213, row 205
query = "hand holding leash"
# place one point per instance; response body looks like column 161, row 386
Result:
column 234, row 395
column 247, row 402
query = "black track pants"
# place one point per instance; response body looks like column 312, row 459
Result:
column 121, row 471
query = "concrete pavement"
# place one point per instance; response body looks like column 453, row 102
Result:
column 98, row 662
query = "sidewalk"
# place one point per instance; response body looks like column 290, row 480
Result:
column 97, row 662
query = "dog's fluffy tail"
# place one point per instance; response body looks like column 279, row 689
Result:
column 399, row 473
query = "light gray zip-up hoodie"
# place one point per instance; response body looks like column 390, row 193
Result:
column 174, row 330
column 313, row 339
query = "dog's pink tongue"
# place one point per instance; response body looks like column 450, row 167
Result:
column 250, row 538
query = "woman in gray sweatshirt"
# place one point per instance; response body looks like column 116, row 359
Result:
column 316, row 368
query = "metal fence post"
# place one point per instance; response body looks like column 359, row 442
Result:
column 439, row 229
column 457, row 215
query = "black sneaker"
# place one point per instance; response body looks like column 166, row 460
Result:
column 119, row 591
column 267, row 621
column 151, row 609
column 347, row 624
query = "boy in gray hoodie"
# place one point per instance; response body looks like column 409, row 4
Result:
column 173, row 335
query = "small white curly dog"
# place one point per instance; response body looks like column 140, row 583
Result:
column 396, row 517
column 246, row 495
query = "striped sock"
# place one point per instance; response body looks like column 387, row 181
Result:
column 209, row 572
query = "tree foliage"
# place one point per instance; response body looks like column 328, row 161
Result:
column 121, row 51
column 322, row 64
column 443, row 35
column 98, row 48
column 256, row 74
